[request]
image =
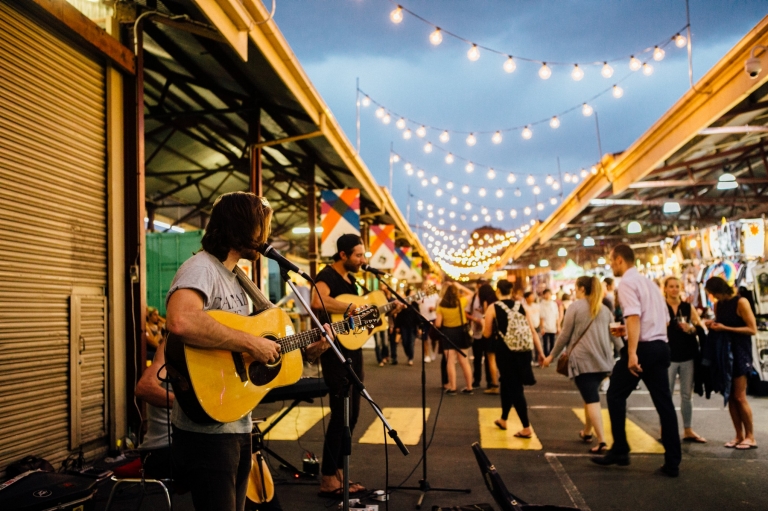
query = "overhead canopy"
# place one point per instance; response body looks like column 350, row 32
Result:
column 679, row 159
column 207, row 109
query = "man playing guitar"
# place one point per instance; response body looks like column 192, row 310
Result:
column 332, row 281
column 214, row 459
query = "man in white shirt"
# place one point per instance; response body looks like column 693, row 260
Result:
column 646, row 357
column 427, row 308
column 550, row 321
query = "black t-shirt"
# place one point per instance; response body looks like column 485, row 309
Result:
column 407, row 318
column 682, row 346
column 337, row 285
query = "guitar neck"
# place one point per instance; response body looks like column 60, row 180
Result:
column 304, row 339
column 384, row 309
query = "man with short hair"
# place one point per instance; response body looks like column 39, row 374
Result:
column 214, row 460
column 646, row 357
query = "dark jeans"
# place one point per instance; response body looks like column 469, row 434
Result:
column 334, row 375
column 382, row 345
column 480, row 348
column 157, row 463
column 214, row 467
column 653, row 357
column 511, row 385
column 547, row 343
column 407, row 339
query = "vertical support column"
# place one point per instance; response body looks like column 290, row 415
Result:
column 312, row 222
column 256, row 184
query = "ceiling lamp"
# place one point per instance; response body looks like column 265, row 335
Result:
column 543, row 263
column 562, row 252
column 589, row 241
column 671, row 207
column 634, row 227
column 727, row 181
column 601, row 260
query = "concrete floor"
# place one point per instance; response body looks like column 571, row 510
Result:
column 711, row 476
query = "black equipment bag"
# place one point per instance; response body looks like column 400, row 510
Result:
column 41, row 491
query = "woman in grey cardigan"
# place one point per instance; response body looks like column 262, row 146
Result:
column 586, row 334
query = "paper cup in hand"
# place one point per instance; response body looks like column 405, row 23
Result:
column 617, row 329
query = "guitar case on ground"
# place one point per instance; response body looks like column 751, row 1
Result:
column 39, row 491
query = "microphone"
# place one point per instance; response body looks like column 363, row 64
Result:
column 376, row 272
column 270, row 252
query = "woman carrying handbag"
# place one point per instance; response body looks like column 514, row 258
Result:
column 589, row 356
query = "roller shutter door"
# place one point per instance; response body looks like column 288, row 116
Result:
column 53, row 260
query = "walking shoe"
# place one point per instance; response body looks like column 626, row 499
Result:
column 665, row 470
column 491, row 390
column 468, row 391
column 450, row 392
column 621, row 460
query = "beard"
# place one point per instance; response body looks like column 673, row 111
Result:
column 351, row 267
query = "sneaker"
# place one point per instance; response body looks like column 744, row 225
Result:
column 427, row 359
column 468, row 391
column 612, row 459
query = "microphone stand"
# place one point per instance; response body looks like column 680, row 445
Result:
column 424, row 485
column 352, row 379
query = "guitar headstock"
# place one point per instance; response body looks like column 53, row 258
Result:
column 364, row 316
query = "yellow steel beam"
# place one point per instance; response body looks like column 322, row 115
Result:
column 280, row 141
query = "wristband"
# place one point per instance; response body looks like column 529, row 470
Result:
column 346, row 312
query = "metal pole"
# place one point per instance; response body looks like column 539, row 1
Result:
column 357, row 107
column 599, row 145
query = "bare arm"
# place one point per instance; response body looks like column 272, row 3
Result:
column 149, row 388
column 565, row 335
column 536, row 341
column 187, row 320
column 438, row 320
column 490, row 315
column 695, row 318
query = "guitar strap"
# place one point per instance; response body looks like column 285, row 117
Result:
column 260, row 302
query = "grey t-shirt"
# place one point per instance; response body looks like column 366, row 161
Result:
column 221, row 291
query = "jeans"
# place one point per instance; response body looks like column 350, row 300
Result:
column 215, row 467
column 480, row 347
column 511, row 384
column 653, row 357
column 547, row 343
column 685, row 370
column 382, row 345
column 407, row 339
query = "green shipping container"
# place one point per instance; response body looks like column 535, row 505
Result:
column 166, row 251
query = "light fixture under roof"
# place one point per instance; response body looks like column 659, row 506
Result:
column 589, row 241
column 727, row 181
column 562, row 252
column 671, row 207
column 634, row 227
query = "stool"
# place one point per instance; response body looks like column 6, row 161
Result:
column 143, row 482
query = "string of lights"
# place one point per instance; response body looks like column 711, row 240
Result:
column 405, row 124
column 657, row 51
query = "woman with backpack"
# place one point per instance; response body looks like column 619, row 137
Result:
column 452, row 321
column 515, row 339
column 586, row 335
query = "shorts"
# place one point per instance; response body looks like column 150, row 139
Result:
column 589, row 386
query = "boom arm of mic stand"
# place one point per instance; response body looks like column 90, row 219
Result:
column 424, row 321
column 353, row 378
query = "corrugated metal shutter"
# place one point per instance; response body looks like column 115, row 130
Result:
column 52, row 244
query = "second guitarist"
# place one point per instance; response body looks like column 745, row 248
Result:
column 334, row 280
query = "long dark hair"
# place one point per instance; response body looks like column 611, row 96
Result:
column 239, row 221
column 450, row 298
column 487, row 295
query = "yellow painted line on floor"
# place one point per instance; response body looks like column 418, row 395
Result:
column 298, row 421
column 406, row 421
column 639, row 441
column 491, row 437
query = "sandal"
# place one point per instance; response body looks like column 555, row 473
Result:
column 587, row 439
column 694, row 439
column 599, row 448
column 520, row 435
column 743, row 446
column 498, row 425
column 732, row 444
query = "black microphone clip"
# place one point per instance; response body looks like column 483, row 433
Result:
column 375, row 271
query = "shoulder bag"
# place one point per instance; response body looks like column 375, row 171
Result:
column 562, row 362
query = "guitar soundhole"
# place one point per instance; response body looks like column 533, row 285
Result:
column 261, row 374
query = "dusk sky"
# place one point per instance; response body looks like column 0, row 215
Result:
column 341, row 40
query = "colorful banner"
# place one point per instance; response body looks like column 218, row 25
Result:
column 416, row 275
column 402, row 263
column 381, row 241
column 339, row 214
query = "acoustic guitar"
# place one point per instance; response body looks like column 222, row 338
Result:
column 214, row 385
column 355, row 339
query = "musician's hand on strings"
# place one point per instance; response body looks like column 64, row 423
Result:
column 316, row 349
column 263, row 350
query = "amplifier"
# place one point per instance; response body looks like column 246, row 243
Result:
column 44, row 491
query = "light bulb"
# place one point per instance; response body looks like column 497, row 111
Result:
column 471, row 140
column 439, row 192
column 536, row 190
column 444, row 137
column 577, row 74
column 397, row 15
column 567, row 177
column 474, row 53
column 421, row 132
column 586, row 110
column 658, row 54
column 467, row 206
column 487, row 218
column 434, row 180
column 647, row 69
column 395, row 158
column 617, row 92
column 540, row 206
column 584, row 173
column 475, row 218
column 555, row 185
column 680, row 40
column 409, row 171
column 454, row 200
column 484, row 211
column 593, row 170
column 544, row 71
column 469, row 168
column 553, row 201
column 449, row 185
column 491, row 174
column 400, row 123
column 496, row 138
column 420, row 173
column 511, row 178
column 513, row 213
column 380, row 112
column 428, row 147
column 481, row 192
column 465, row 189
column 530, row 181
column 436, row 37
column 607, row 70
column 518, row 193
column 499, row 193
column 554, row 123
column 510, row 65
column 634, row 64
column 424, row 182
column 449, row 158
column 527, row 211
column 549, row 179
column 526, row 133
column 407, row 134
column 366, row 101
